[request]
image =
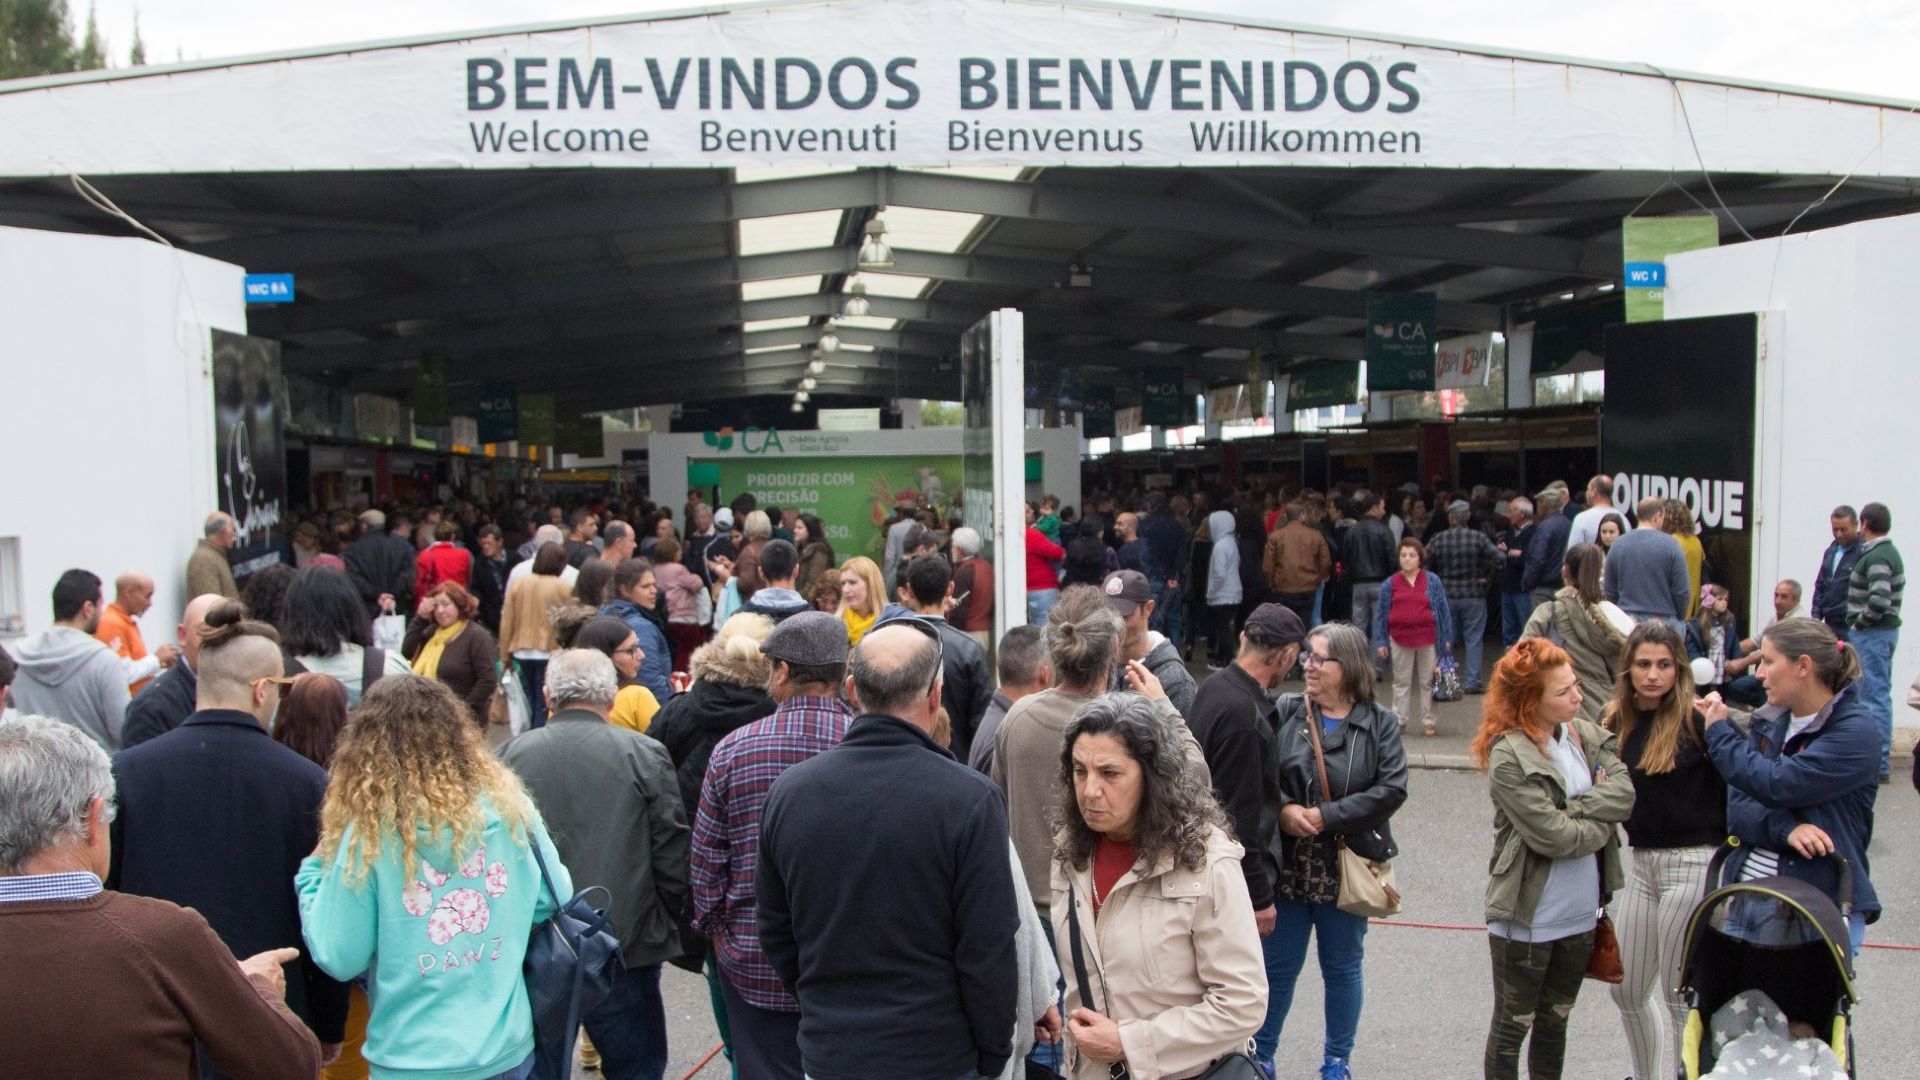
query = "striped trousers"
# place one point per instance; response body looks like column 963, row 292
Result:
column 1651, row 920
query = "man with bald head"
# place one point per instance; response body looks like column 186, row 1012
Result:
column 118, row 630
column 926, row 839
column 208, row 568
column 170, row 699
column 216, row 816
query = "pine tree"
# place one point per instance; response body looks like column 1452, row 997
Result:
column 137, row 53
column 93, row 47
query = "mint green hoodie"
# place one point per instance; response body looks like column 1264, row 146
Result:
column 441, row 949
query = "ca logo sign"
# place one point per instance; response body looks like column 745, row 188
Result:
column 719, row 440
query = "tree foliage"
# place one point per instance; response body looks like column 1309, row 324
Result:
column 37, row 38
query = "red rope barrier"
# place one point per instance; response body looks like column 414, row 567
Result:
column 703, row 1063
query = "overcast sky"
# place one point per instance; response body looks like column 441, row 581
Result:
column 1857, row 45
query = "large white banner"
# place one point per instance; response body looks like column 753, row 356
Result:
column 1460, row 363
column 942, row 82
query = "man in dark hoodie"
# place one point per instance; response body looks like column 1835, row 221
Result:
column 1132, row 598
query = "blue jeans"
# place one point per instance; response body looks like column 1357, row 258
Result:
column 1052, row 1055
column 1515, row 609
column 1039, row 602
column 1342, row 940
column 518, row 1072
column 1875, row 646
column 1745, row 690
column 1470, row 622
column 1166, row 611
column 1319, row 602
column 533, row 680
column 629, row 1028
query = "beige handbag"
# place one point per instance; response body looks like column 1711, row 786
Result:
column 1913, row 694
column 1367, row 887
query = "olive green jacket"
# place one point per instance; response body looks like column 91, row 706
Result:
column 1534, row 823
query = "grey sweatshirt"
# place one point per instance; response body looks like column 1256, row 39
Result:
column 65, row 673
column 1646, row 575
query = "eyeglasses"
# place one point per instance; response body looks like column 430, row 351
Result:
column 627, row 649
column 284, row 682
column 1313, row 660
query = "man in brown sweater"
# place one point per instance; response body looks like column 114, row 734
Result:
column 100, row 983
column 1297, row 563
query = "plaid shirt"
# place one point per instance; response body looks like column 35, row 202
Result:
column 1463, row 559
column 726, row 835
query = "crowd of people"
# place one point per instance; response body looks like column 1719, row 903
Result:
column 314, row 836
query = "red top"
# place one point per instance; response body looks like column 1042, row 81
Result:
column 1111, row 861
column 1042, row 554
column 1410, row 622
column 443, row 562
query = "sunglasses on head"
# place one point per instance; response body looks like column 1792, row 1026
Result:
column 932, row 631
column 284, row 682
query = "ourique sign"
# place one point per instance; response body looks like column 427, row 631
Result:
column 940, row 82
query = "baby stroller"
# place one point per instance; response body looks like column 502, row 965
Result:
column 1780, row 936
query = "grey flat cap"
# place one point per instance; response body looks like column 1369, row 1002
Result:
column 810, row 638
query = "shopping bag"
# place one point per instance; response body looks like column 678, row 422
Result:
column 519, row 714
column 389, row 631
column 1446, row 680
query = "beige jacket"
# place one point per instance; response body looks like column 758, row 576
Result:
column 209, row 572
column 524, row 622
column 1173, row 956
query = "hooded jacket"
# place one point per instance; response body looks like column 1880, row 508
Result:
column 1535, row 823
column 65, row 673
column 1590, row 638
column 656, row 663
column 1173, row 958
column 1163, row 659
column 727, row 694
column 1828, row 776
column 1223, row 567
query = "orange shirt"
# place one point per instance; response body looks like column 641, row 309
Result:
column 119, row 632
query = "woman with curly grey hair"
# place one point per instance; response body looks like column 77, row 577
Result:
column 1149, row 895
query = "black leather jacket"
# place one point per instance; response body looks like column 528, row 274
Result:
column 1368, row 552
column 1366, row 767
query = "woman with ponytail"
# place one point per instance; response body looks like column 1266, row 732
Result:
column 1590, row 628
column 1803, row 777
column 1679, row 817
column 1558, row 791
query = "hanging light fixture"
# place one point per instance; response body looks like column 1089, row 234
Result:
column 816, row 365
column 808, row 383
column 856, row 305
column 797, row 407
column 800, row 396
column 875, row 252
column 829, row 341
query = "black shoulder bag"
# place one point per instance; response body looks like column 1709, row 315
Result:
column 1235, row 1065
column 572, row 962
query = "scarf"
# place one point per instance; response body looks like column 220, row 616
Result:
column 857, row 624
column 428, row 662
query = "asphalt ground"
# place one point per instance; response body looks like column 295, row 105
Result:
column 1429, row 992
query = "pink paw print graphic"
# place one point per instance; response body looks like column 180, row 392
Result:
column 462, row 911
column 497, row 879
column 417, row 899
column 476, row 863
column 435, row 877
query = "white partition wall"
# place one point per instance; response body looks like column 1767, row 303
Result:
column 106, row 425
column 1839, row 386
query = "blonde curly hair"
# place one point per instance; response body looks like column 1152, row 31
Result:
column 410, row 762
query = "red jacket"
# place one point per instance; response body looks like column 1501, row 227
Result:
column 1043, row 557
column 443, row 562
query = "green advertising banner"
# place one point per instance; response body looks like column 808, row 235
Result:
column 1645, row 243
column 1323, row 384
column 1401, row 331
column 581, row 434
column 1096, row 411
column 430, row 392
column 495, row 411
column 854, row 496
column 536, row 419
column 1161, row 401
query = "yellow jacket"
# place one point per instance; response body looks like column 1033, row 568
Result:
column 524, row 624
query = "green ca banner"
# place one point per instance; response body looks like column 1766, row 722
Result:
column 1645, row 243
column 1323, row 384
column 1162, row 403
column 1401, row 331
column 1096, row 412
column 854, row 496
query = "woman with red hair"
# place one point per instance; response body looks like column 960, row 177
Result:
column 1559, row 793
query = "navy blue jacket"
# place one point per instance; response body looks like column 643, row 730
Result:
column 657, row 664
column 1168, row 544
column 1830, row 586
column 216, row 816
column 884, row 877
column 1546, row 552
column 1828, row 776
column 160, row 707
